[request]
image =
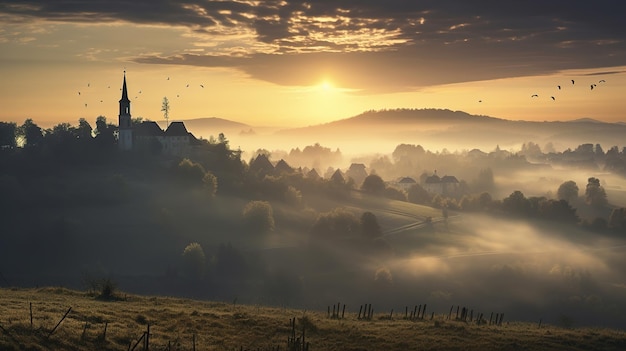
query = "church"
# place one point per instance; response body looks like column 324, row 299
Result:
column 148, row 135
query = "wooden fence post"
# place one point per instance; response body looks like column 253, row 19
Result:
column 56, row 326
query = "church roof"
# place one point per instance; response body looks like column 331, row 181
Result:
column 407, row 180
column 148, row 128
column 176, row 129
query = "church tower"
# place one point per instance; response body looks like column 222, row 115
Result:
column 125, row 137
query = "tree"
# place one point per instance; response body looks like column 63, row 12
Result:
column 335, row 224
column 84, row 130
column 8, row 133
column 595, row 195
column 418, row 195
column 258, row 216
column 189, row 171
column 209, row 181
column 568, row 191
column 165, row 108
column 369, row 225
column 373, row 184
column 194, row 260
column 516, row 203
column 32, row 134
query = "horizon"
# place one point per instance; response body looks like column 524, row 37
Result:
column 294, row 64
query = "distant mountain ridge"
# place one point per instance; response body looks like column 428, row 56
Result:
column 461, row 130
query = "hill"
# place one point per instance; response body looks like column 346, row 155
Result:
column 182, row 324
column 436, row 129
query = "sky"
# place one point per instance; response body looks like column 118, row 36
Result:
column 299, row 63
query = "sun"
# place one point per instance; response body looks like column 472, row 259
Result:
column 326, row 85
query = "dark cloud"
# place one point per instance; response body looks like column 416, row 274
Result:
column 376, row 45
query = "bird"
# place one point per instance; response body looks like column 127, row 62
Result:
column 558, row 86
column 552, row 97
column 187, row 86
column 480, row 101
column 139, row 91
column 202, row 85
column 602, row 81
column 85, row 105
column 79, row 93
column 534, row 95
column 592, row 86
column 88, row 84
column 572, row 82
column 168, row 78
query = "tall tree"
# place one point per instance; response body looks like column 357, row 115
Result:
column 165, row 108
column 32, row 133
column 595, row 195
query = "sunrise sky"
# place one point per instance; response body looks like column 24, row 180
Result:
column 299, row 63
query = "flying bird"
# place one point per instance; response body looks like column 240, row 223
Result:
column 79, row 93
column 202, row 85
column 85, row 105
column 88, row 84
column 558, row 86
column 602, row 81
column 187, row 86
column 168, row 78
column 592, row 86
column 572, row 82
column 534, row 95
column 552, row 97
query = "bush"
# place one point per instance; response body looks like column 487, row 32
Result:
column 194, row 260
column 258, row 216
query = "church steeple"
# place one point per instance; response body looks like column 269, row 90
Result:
column 125, row 141
column 124, row 91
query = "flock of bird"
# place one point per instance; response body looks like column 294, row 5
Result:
column 591, row 87
column 83, row 93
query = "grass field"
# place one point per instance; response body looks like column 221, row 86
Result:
column 175, row 324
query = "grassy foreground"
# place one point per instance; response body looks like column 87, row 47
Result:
column 175, row 324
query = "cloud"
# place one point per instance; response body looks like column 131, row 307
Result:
column 371, row 46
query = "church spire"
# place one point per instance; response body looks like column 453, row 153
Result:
column 125, row 137
column 124, row 90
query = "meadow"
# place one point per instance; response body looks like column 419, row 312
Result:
column 32, row 319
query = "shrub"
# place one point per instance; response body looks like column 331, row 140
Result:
column 194, row 260
column 258, row 216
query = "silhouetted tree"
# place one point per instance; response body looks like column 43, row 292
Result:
column 194, row 260
column 32, row 134
column 595, row 195
column 369, row 225
column 373, row 184
column 557, row 210
column 258, row 216
column 516, row 203
column 394, row 194
column 568, row 191
column 8, row 133
column 418, row 195
column 190, row 172
column 335, row 224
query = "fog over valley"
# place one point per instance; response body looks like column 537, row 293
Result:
column 527, row 221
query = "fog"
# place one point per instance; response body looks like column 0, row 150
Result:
column 529, row 272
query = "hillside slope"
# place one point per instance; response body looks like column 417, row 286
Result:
column 180, row 324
